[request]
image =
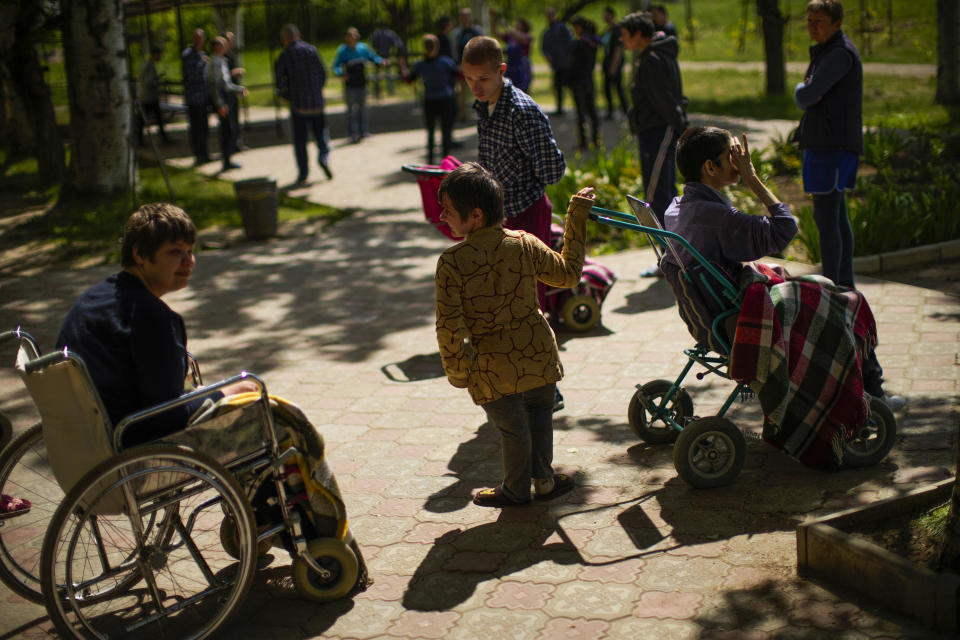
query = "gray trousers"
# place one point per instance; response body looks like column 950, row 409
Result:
column 525, row 422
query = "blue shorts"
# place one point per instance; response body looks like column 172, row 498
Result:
column 828, row 171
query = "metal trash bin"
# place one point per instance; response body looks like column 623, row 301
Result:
column 257, row 201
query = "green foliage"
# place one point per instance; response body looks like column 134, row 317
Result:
column 932, row 522
column 906, row 194
column 783, row 157
column 613, row 174
column 95, row 226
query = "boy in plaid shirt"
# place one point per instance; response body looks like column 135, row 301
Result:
column 516, row 141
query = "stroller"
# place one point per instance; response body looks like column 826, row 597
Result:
column 578, row 308
column 710, row 451
column 162, row 539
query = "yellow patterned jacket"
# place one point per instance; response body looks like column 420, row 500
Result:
column 493, row 338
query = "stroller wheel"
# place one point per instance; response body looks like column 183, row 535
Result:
column 647, row 414
column 873, row 441
column 340, row 566
column 709, row 453
column 580, row 312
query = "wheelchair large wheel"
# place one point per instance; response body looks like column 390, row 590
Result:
column 642, row 416
column 187, row 584
column 873, row 441
column 709, row 453
column 25, row 473
column 340, row 566
column 580, row 312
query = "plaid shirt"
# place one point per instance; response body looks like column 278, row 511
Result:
column 300, row 76
column 194, row 77
column 518, row 146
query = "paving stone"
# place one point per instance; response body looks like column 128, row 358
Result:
column 631, row 553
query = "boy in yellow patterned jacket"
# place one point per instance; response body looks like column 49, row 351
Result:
column 493, row 338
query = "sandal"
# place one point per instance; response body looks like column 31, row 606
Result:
column 562, row 483
column 11, row 506
column 494, row 497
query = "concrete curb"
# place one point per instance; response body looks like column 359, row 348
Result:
column 914, row 256
column 826, row 552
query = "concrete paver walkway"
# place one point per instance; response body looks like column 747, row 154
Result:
column 340, row 320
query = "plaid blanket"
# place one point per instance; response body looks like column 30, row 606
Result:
column 799, row 345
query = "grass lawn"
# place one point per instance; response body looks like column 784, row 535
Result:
column 93, row 227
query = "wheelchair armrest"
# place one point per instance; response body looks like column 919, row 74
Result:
column 24, row 338
column 186, row 398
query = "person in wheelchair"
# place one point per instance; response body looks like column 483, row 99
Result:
column 134, row 345
column 711, row 158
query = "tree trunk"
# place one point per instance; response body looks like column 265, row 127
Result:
column 97, row 84
column 950, row 545
column 773, row 23
column 28, row 102
column 948, row 52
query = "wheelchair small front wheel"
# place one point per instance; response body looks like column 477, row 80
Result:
column 709, row 453
column 580, row 312
column 648, row 422
column 340, row 566
column 872, row 442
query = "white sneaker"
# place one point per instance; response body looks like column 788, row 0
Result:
column 894, row 403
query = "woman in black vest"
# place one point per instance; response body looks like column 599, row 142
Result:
column 831, row 133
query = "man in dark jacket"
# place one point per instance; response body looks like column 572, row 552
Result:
column 831, row 133
column 657, row 117
column 300, row 77
column 556, row 44
column 194, row 62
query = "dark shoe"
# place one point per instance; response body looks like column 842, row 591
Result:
column 300, row 180
column 230, row 165
column 557, row 400
column 326, row 170
column 494, row 498
column 11, row 507
column 562, row 483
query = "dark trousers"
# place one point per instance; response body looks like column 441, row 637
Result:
column 301, row 125
column 233, row 103
column 525, row 423
column 658, row 164
column 150, row 114
column 586, row 104
column 836, row 237
column 226, row 138
column 446, row 110
column 198, row 131
column 560, row 81
column 611, row 82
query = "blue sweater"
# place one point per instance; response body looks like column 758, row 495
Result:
column 135, row 348
column 439, row 75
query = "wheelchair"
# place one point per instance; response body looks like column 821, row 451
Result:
column 162, row 539
column 710, row 451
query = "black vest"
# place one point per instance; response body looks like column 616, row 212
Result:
column 835, row 123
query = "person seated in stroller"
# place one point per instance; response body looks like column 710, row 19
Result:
column 709, row 159
column 134, row 345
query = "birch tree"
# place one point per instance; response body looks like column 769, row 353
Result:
column 101, row 158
